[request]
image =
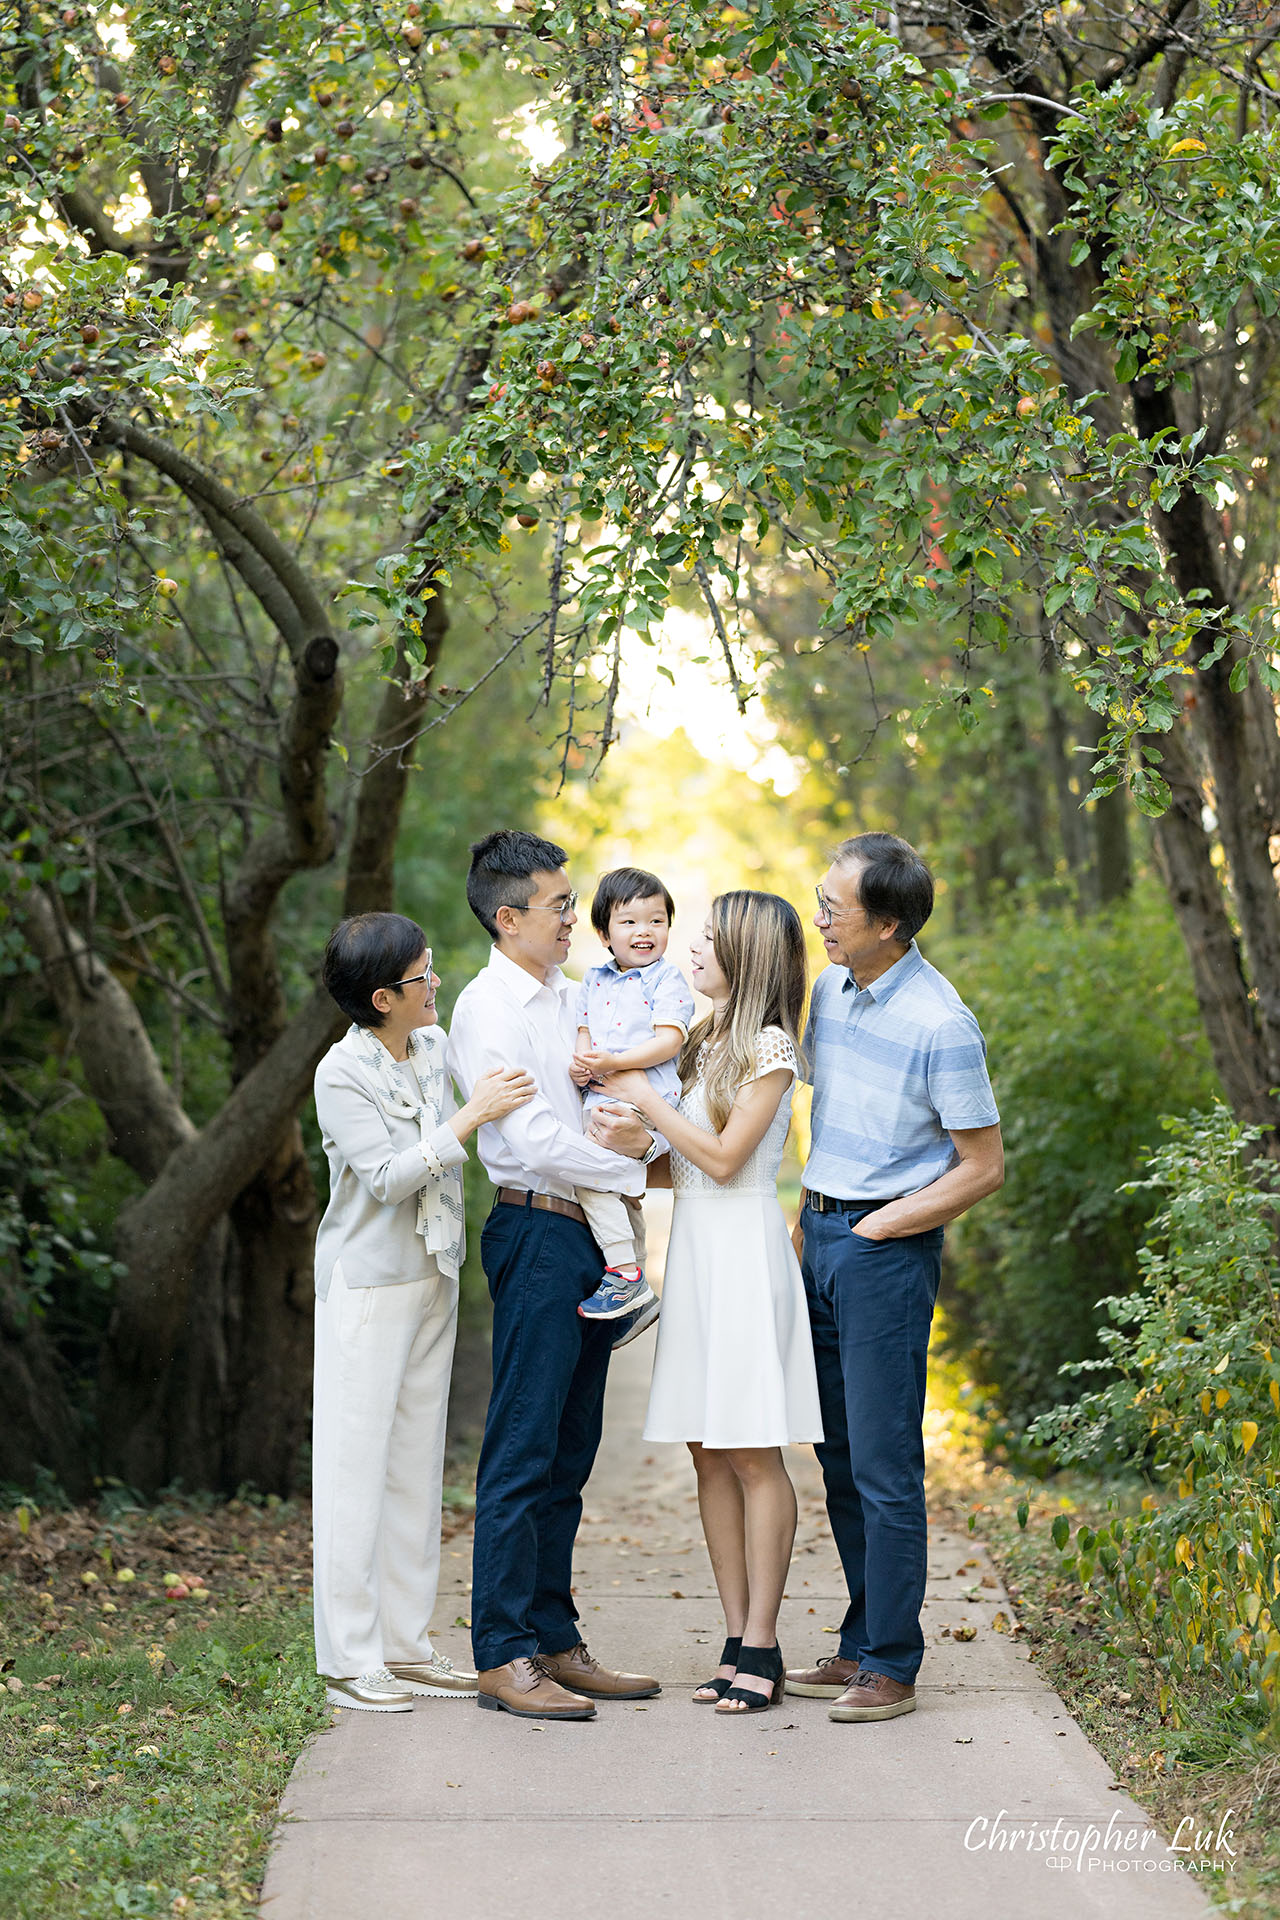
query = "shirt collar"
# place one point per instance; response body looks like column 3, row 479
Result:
column 612, row 965
column 891, row 979
column 518, row 980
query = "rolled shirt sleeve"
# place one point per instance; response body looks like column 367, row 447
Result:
column 535, row 1139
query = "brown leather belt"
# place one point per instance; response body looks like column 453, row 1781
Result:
column 545, row 1202
column 823, row 1203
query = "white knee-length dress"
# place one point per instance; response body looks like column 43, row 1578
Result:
column 734, row 1362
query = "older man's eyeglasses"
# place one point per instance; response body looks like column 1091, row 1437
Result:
column 828, row 910
column 414, row 980
column 563, row 908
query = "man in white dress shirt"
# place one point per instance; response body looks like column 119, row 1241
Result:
column 541, row 1262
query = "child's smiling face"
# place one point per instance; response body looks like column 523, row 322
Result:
column 639, row 931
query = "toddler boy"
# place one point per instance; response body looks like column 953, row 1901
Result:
column 633, row 1013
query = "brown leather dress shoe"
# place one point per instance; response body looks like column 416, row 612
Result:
column 826, row 1681
column 577, row 1669
column 528, row 1689
column 873, row 1696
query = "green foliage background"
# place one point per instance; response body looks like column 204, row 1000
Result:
column 1093, row 1035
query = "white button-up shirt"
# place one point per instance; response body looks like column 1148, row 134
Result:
column 507, row 1018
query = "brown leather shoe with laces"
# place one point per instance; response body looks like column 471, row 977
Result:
column 528, row 1689
column 577, row 1669
column 826, row 1681
column 873, row 1696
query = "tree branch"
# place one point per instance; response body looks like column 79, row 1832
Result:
column 186, row 886
column 1126, row 66
column 371, row 861
column 163, row 1227
column 304, row 837
column 121, row 1069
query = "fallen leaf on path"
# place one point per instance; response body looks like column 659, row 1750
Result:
column 964, row 1633
column 964, row 1740
column 1001, row 1623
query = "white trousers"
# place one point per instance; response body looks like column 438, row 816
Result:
column 616, row 1223
column 382, row 1366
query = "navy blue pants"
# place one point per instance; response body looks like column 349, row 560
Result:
column 870, row 1308
column 541, row 1433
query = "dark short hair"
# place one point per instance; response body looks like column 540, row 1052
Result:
column 894, row 884
column 619, row 888
column 365, row 952
column 502, row 868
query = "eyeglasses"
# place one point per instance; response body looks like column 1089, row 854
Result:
column 414, row 980
column 827, row 912
column 547, row 906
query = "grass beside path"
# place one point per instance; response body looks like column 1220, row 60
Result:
column 1210, row 1769
column 146, row 1733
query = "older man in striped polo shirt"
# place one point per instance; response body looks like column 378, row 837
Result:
column 906, row 1136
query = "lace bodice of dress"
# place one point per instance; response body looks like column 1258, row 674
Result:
column 760, row 1174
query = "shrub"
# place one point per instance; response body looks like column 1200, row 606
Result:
column 1193, row 1399
column 1093, row 1034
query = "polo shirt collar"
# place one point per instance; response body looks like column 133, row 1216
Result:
column 518, row 981
column 892, row 978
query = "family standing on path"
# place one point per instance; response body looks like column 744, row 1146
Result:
column 581, row 1094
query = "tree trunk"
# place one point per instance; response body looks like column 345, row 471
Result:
column 1222, row 993
column 270, row 1279
column 269, row 1275
column 39, row 1426
column 1071, row 821
column 1241, row 1012
column 1112, row 867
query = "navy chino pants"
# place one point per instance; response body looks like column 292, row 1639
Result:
column 870, row 1307
column 541, row 1433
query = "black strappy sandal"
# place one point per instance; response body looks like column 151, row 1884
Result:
column 719, row 1685
column 763, row 1663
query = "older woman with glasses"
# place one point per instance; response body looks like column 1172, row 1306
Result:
column 388, row 1254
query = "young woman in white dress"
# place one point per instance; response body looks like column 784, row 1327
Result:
column 733, row 1375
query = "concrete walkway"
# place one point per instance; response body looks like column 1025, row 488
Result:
column 668, row 1808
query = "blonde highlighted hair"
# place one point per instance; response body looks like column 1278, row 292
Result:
column 759, row 948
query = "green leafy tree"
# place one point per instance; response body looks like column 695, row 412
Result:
column 973, row 318
column 240, row 280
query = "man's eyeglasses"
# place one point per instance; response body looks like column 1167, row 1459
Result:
column 414, row 980
column 827, row 910
column 564, row 909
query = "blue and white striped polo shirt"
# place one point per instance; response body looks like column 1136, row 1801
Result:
column 894, row 1066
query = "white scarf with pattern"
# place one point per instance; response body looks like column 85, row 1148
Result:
column 440, row 1216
